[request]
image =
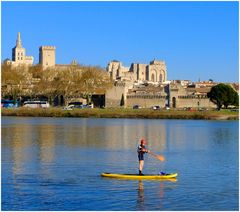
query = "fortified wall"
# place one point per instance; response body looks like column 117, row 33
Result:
column 145, row 100
column 116, row 96
column 181, row 97
column 147, row 95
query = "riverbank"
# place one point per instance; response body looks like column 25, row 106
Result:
column 122, row 113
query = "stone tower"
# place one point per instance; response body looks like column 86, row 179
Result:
column 157, row 71
column 19, row 54
column 47, row 56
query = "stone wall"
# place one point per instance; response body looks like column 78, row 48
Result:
column 145, row 100
column 194, row 102
column 116, row 96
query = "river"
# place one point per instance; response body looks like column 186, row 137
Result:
column 55, row 164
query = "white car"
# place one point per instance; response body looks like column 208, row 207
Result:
column 69, row 107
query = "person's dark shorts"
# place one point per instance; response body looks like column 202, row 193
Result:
column 140, row 157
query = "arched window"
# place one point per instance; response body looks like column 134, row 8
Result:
column 160, row 78
column 152, row 78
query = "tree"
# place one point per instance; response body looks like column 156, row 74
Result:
column 94, row 80
column 15, row 81
column 44, row 84
column 70, row 82
column 223, row 94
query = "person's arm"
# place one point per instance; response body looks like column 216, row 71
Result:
column 145, row 150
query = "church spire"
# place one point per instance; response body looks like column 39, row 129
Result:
column 19, row 42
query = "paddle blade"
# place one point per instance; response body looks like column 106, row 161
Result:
column 161, row 158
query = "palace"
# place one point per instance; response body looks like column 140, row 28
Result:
column 140, row 84
column 154, row 72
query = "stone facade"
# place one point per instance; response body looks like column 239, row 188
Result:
column 174, row 95
column 145, row 100
column 116, row 96
column 188, row 96
column 155, row 72
column 19, row 54
column 47, row 56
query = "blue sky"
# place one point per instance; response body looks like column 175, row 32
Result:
column 197, row 40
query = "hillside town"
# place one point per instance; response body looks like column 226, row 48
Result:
column 137, row 86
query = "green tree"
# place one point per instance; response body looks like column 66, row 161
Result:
column 223, row 94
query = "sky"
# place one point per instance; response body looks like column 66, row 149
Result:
column 197, row 40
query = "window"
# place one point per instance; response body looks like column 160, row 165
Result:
column 152, row 78
column 160, row 78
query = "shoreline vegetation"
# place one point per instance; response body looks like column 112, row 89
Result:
column 121, row 113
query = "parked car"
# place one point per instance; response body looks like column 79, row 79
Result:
column 9, row 104
column 156, row 107
column 36, row 104
column 136, row 106
column 86, row 106
column 69, row 107
column 75, row 104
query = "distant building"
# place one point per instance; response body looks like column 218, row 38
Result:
column 19, row 54
column 47, row 56
column 156, row 71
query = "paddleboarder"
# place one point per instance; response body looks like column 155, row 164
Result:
column 141, row 151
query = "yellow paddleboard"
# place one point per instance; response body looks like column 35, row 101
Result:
column 140, row 177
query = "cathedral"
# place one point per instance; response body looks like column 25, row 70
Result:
column 19, row 54
column 46, row 55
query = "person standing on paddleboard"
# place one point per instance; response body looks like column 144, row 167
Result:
column 141, row 151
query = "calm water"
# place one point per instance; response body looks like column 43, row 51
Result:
column 55, row 164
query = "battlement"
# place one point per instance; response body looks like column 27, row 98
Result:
column 157, row 62
column 47, row 48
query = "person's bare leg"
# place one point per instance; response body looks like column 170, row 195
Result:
column 141, row 164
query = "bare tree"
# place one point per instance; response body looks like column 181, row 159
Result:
column 15, row 81
column 94, row 80
column 71, row 82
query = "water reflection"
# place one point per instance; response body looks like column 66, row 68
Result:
column 40, row 156
column 43, row 138
column 158, row 191
column 140, row 200
column 113, row 135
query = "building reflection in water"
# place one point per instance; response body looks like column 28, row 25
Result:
column 37, row 142
column 20, row 140
column 127, row 136
column 47, row 136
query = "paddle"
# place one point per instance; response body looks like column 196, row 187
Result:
column 159, row 157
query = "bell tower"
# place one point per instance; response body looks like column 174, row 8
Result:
column 18, row 52
column 47, row 56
